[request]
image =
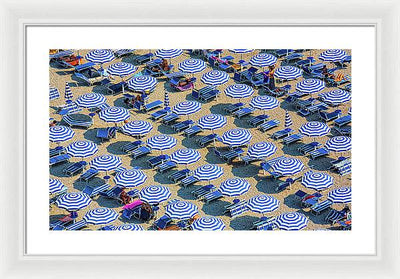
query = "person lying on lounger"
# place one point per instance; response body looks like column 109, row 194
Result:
column 164, row 65
column 124, row 197
column 326, row 74
column 184, row 82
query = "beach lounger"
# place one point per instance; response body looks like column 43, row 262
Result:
column 213, row 196
column 170, row 118
column 300, row 194
column 129, row 147
column 140, row 151
column 203, row 141
column 301, row 104
column 113, row 193
column 168, row 165
column 59, row 150
column 341, row 121
column 292, row 138
column 152, row 105
column 62, row 222
column 162, row 223
column 89, row 174
column 187, row 181
column 69, row 119
column 237, row 208
column 329, row 116
column 277, row 91
column 345, row 225
column 343, row 131
column 257, row 120
column 229, row 155
column 269, row 125
column 284, row 185
column 69, row 108
column 264, row 224
column 106, row 133
column 247, row 159
column 320, row 207
column 233, row 107
column 160, row 113
column 117, row 88
column 59, row 159
column 94, row 191
column 141, row 59
column 75, row 168
column 335, row 216
column 345, row 169
column 153, row 162
column 178, row 127
column 179, row 175
column 337, row 82
column 282, row 133
column 192, row 131
column 320, row 152
column 311, row 200
column 123, row 52
column 202, row 191
column 309, row 147
column 209, row 95
column 76, row 226
column 243, row 112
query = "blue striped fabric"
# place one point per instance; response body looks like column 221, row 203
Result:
column 130, row 178
column 234, row 187
column 264, row 102
column 288, row 73
column 130, row 227
column 181, row 210
column 82, row 148
column 60, row 133
column 114, row 114
column 187, row 107
column 212, row 121
column 338, row 144
column 263, row 204
column 73, row 201
column 310, row 86
column 291, row 221
column 239, row 91
column 208, row 172
column 90, row 100
column 241, row 50
column 261, row 150
column 336, row 97
column 192, row 66
column 106, row 162
column 168, row 53
column 53, row 93
column 185, row 156
column 68, row 93
column 137, row 128
column 340, row 195
column 288, row 166
column 155, row 194
column 166, row 99
column 317, row 180
column 55, row 186
column 121, row 69
column 332, row 55
column 161, row 142
column 263, row 60
column 215, row 78
column 288, row 120
column 142, row 83
column 314, row 129
column 208, row 223
column 100, row 56
column 236, row 137
column 100, row 216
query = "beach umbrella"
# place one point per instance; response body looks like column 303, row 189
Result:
column 236, row 137
column 142, row 83
column 114, row 114
column 121, row 69
column 82, row 148
column 241, row 51
column 317, row 180
column 332, row 55
column 181, row 210
column 234, row 187
column 291, row 221
column 68, row 93
column 73, row 201
column 340, row 195
column 314, row 129
column 310, row 86
column 161, row 142
column 168, row 53
column 100, row 56
column 288, row 120
column 336, row 97
column 154, row 194
column 130, row 178
column 54, row 93
column 338, row 144
column 137, row 128
column 166, row 99
column 349, row 111
column 90, row 100
column 208, row 223
column 212, row 121
column 263, row 60
column 208, row 172
column 106, row 162
column 186, row 107
column 215, row 78
column 185, row 156
column 263, row 204
column 55, row 186
column 130, row 227
column 288, row 166
column 100, row 216
column 261, row 150
column 192, row 66
column 239, row 91
column 60, row 133
column 288, row 73
column 264, row 102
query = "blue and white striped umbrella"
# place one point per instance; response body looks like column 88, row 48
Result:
column 100, row 56
column 181, row 210
column 288, row 120
column 130, row 227
column 68, row 93
column 263, row 60
column 121, row 69
column 60, row 133
column 340, row 195
column 291, row 221
column 241, row 50
column 154, row 194
column 314, row 129
column 82, row 148
column 187, row 107
column 261, row 150
column 212, row 121
column 338, row 144
column 239, row 91
column 236, row 137
column 317, row 180
column 114, row 114
column 336, row 97
column 161, row 142
column 288, row 72
column 73, row 201
column 332, row 55
column 310, row 86
column 137, row 128
column 192, row 66
column 53, row 93
column 185, row 156
column 100, row 216
column 168, row 53
column 166, row 99
column 130, row 178
column 106, row 162
column 215, row 78
column 264, row 102
column 90, row 100
column 55, row 186
column 208, row 223
column 288, row 166
column 142, row 83
column 263, row 204
column 234, row 187
column 208, row 172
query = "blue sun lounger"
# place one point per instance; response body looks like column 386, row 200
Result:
column 320, row 207
column 70, row 121
column 202, row 191
column 187, row 181
column 89, row 174
column 335, row 216
column 203, row 141
column 284, row 185
column 179, row 175
column 75, row 168
column 320, row 152
column 209, row 95
column 129, row 147
column 70, row 108
column 237, row 208
column 57, row 151
column 243, row 112
column 179, row 127
column 258, row 120
column 344, row 131
column 140, row 151
column 162, row 223
column 160, row 113
column 341, row 121
column 59, row 159
column 168, row 165
column 141, row 59
column 192, row 131
column 94, row 191
column 247, row 159
column 106, row 133
column 233, row 107
column 213, row 196
column 329, row 116
column 282, row 133
column 170, row 118
column 309, row 147
column 113, row 193
column 116, row 88
column 123, row 52
column 229, row 155
column 311, row 200
column 152, row 105
column 270, row 124
column 76, row 226
column 153, row 162
column 292, row 139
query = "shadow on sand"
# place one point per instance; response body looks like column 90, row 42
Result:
column 215, row 208
column 243, row 223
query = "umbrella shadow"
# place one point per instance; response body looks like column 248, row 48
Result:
column 292, row 201
column 115, row 148
column 186, row 193
column 162, row 178
column 218, row 109
column 245, row 171
column 267, row 185
column 129, row 59
column 321, row 164
column 292, row 149
column 243, row 223
column 57, row 170
column 141, row 162
column 215, row 208
column 119, row 102
column 101, row 89
column 242, row 122
column 164, row 129
column 109, row 203
column 190, row 143
column 317, row 219
column 90, row 135
column 211, row 158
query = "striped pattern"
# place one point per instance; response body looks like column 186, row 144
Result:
column 100, row 56
column 208, row 223
column 291, row 221
column 338, row 144
column 82, row 148
column 137, row 128
column 130, row 227
column 263, row 204
column 114, row 114
column 73, row 201
column 121, row 69
column 161, row 142
column 208, row 172
column 261, row 150
column 341, row 195
column 234, row 187
column 288, row 73
column 239, row 91
column 263, row 60
column 236, row 137
column 264, row 102
column 215, row 78
column 212, row 121
column 336, row 97
column 332, row 55
column 168, row 53
column 60, row 133
column 288, row 120
column 185, row 156
column 142, row 83
column 130, row 178
column 241, row 50
column 310, row 86
column 53, row 93
column 100, row 216
column 192, row 66
column 106, row 162
column 68, row 93
column 187, row 107
column 288, row 166
column 55, row 186
column 155, row 194
column 166, row 99
column 90, row 100
column 317, row 180
column 314, row 129
column 181, row 210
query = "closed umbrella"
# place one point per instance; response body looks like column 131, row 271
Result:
column 54, row 93
column 166, row 99
column 68, row 93
column 288, row 120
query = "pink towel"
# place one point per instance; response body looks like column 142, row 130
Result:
column 133, row 204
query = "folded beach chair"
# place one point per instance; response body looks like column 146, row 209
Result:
column 179, row 175
column 233, row 107
column 243, row 112
column 309, row 147
column 75, row 168
column 106, row 133
column 160, row 113
column 94, row 191
column 237, row 208
column 329, row 116
column 247, row 159
column 168, row 165
column 192, row 131
column 57, row 151
column 129, row 147
column 292, row 138
column 89, row 174
column 140, row 151
column 282, row 133
column 320, row 207
column 187, row 181
column 59, row 159
column 141, row 59
column 203, row 141
column 170, row 118
column 178, row 127
column 202, row 191
column 69, row 119
column 257, row 120
column 213, row 196
column 344, row 120
column 320, row 152
column 153, row 162
column 270, row 124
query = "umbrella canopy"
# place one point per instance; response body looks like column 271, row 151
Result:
column 137, row 128
column 341, row 195
column 130, row 178
column 106, row 162
column 73, row 201
column 332, row 55
column 208, row 223
column 100, row 216
column 261, row 150
column 317, row 180
column 166, row 99
column 241, row 50
column 155, row 194
column 161, row 142
column 263, row 60
column 263, row 204
column 60, row 133
column 336, row 97
column 54, row 93
column 185, row 156
column 338, row 144
column 187, row 107
column 288, row 120
column 168, row 53
column 100, row 56
column 192, row 66
column 142, row 83
column 215, row 78
column 181, row 210
column 55, row 186
column 208, row 172
column 239, row 91
column 236, row 137
column 82, row 148
column 130, row 227
column 212, row 121
column 121, row 69
column 291, row 221
column 90, row 100
column 68, row 93
column 310, row 86
column 264, row 102
column 314, row 129
column 114, row 114
column 288, row 72
column 288, row 166
column 234, row 187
